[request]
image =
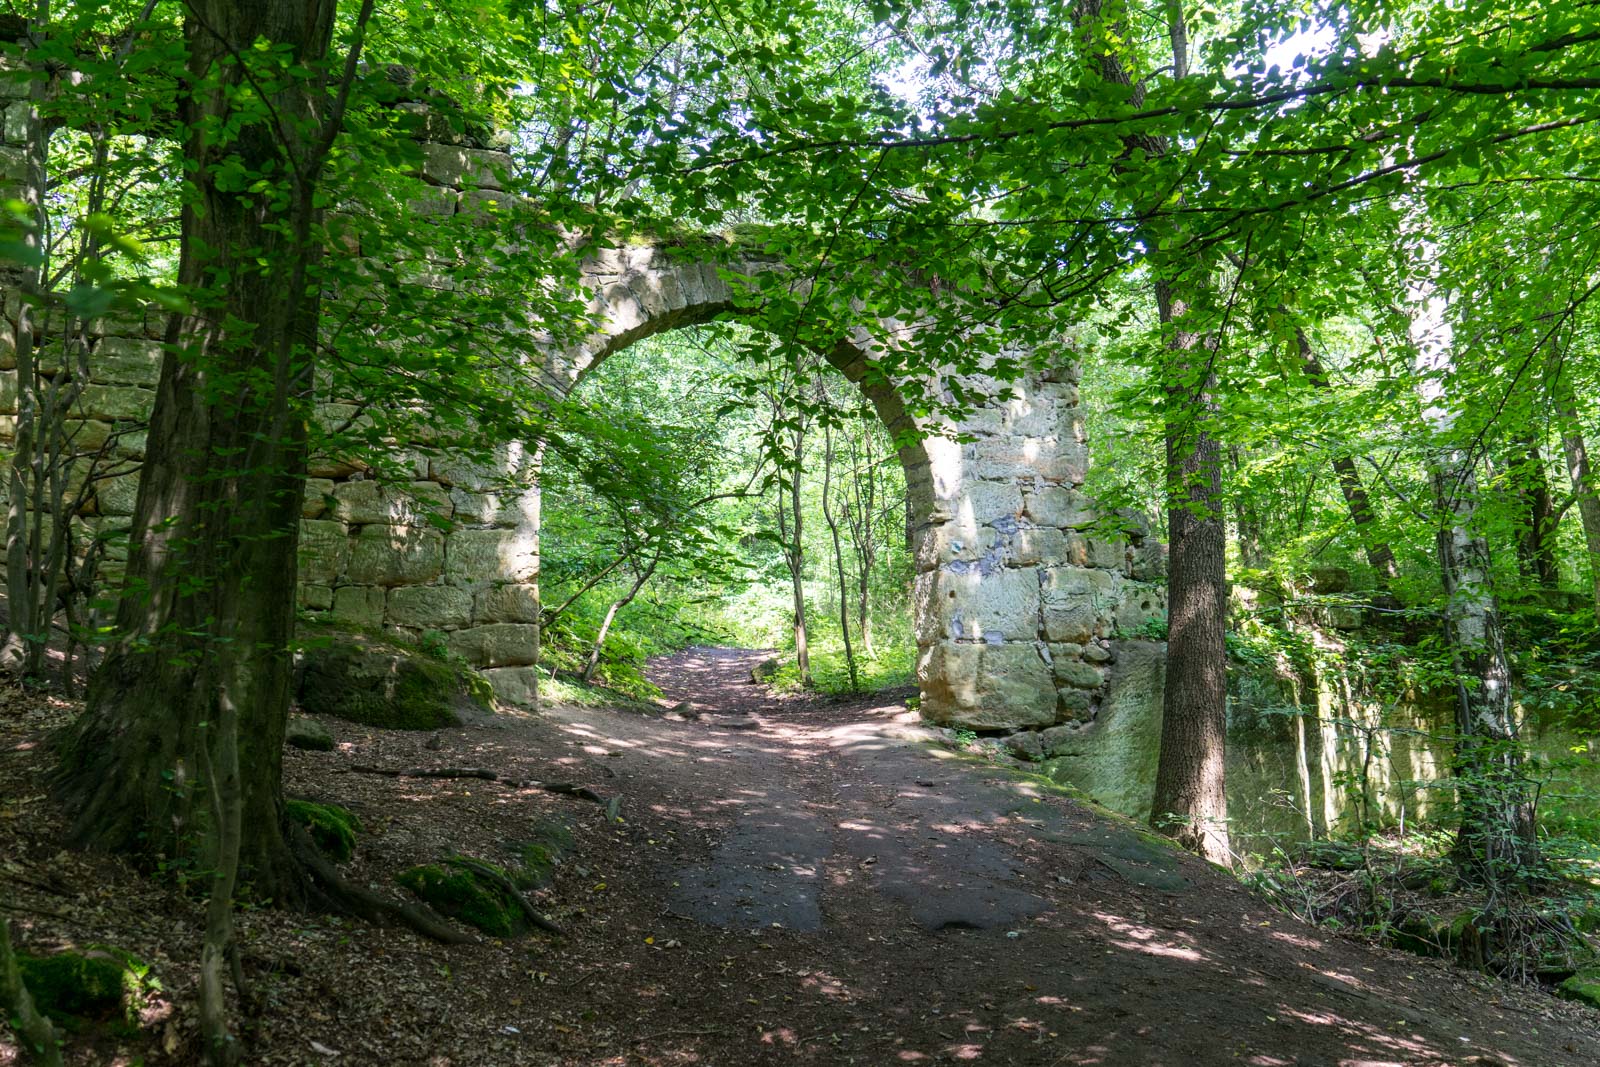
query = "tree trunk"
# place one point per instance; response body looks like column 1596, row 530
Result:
column 1536, row 547
column 1576, row 452
column 862, row 514
column 37, row 1036
column 21, row 644
column 1379, row 555
column 1191, row 801
column 1495, row 840
column 210, row 597
column 611, row 614
column 838, row 556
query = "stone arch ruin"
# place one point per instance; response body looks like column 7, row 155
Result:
column 1015, row 596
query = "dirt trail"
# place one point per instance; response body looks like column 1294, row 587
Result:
column 922, row 907
column 795, row 881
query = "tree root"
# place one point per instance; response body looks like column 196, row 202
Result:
column 564, row 788
column 34, row 1031
column 344, row 896
column 483, row 870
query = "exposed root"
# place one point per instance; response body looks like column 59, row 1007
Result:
column 342, row 895
column 564, row 788
column 483, row 870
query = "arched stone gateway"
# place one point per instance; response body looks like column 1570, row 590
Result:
column 1014, row 598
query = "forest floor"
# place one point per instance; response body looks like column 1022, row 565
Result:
column 793, row 880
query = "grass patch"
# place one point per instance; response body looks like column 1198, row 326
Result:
column 891, row 668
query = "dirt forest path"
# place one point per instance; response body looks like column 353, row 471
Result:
column 793, row 881
column 907, row 905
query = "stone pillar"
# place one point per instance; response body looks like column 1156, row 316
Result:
column 1018, row 587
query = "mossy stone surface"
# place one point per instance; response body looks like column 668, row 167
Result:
column 307, row 733
column 99, row 983
column 332, row 828
column 1583, row 986
column 538, row 855
column 361, row 679
column 461, row 894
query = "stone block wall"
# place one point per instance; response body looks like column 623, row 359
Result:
column 1020, row 589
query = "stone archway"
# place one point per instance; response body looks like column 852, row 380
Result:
column 1015, row 596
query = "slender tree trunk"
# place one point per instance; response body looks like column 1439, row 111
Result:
column 210, row 597
column 1379, row 555
column 19, row 646
column 1495, row 841
column 1576, row 452
column 1191, row 800
column 791, row 531
column 611, row 613
column 1536, row 549
column 861, row 512
column 1246, row 522
column 838, row 556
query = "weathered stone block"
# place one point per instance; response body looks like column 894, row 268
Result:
column 1059, row 506
column 1076, row 673
column 319, row 497
column 985, row 687
column 368, row 501
column 1060, row 584
column 395, row 555
column 1073, row 705
column 453, row 166
column 493, row 509
column 117, row 496
column 517, row 686
column 112, row 402
column 490, row 555
column 1035, row 546
column 121, row 361
column 1002, row 605
column 359, row 605
column 1139, row 605
column 507, row 603
column 980, row 503
column 429, row 607
column 324, row 550
column 316, row 597
column 500, row 644
column 1074, row 621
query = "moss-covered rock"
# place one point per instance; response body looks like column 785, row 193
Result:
column 332, row 828
column 361, row 679
column 536, row 857
column 464, row 895
column 1584, row 986
column 305, row 732
column 98, row 984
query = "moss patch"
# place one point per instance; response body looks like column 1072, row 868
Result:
column 332, row 828
column 101, row 983
column 463, row 895
column 537, row 856
column 365, row 680
column 1584, row 986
